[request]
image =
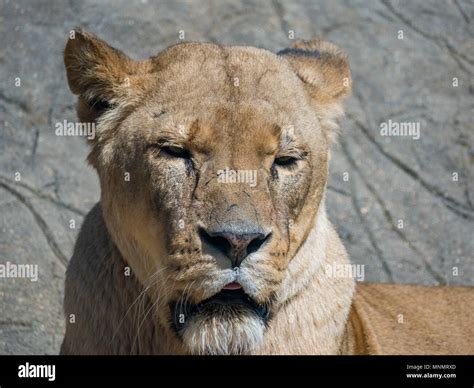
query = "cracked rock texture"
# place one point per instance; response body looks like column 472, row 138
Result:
column 377, row 183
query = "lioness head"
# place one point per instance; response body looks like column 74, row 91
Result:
column 213, row 163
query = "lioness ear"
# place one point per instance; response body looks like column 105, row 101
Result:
column 323, row 67
column 101, row 75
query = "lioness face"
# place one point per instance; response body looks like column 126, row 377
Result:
column 213, row 163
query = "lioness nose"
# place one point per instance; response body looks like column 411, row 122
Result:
column 236, row 246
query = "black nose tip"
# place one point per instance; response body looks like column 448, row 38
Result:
column 236, row 246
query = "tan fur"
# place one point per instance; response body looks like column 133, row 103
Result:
column 229, row 107
column 402, row 319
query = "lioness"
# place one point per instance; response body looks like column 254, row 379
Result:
column 211, row 235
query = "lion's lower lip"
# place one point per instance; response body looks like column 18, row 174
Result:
column 227, row 304
column 232, row 286
column 231, row 296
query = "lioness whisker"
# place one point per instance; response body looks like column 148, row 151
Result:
column 141, row 295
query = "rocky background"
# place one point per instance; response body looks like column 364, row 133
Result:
column 404, row 207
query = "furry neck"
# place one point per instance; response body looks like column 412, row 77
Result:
column 313, row 318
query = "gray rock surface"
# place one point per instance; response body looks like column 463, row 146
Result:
column 390, row 178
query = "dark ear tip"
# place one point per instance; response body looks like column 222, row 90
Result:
column 75, row 36
column 78, row 31
column 321, row 65
column 79, row 35
column 300, row 52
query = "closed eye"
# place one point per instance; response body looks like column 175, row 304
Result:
column 285, row 161
column 175, row 152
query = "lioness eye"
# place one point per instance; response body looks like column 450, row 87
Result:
column 176, row 152
column 285, row 161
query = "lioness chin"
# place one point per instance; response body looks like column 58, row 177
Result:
column 211, row 235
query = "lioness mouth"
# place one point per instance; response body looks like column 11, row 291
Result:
column 229, row 303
